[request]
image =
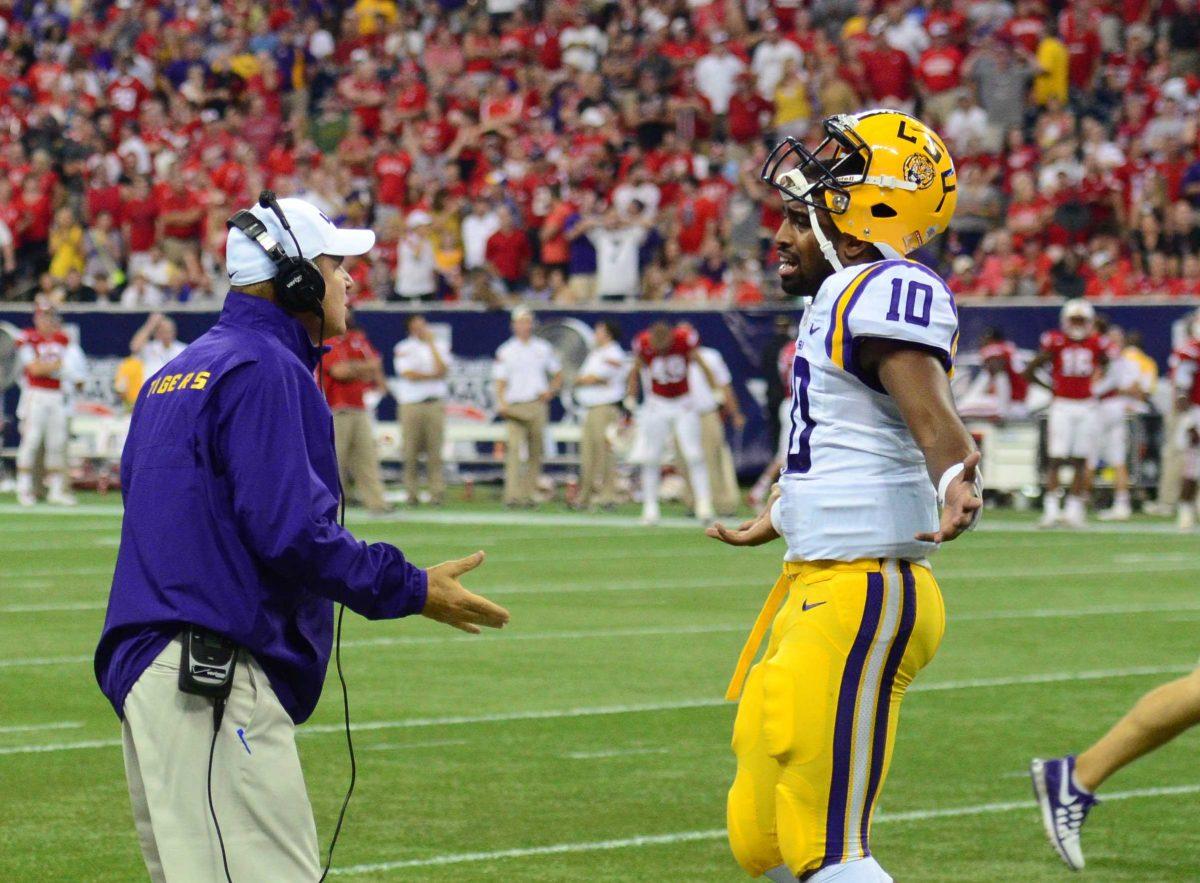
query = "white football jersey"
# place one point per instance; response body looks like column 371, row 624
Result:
column 855, row 483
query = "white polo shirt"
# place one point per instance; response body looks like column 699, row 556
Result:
column 611, row 364
column 704, row 397
column 526, row 367
column 154, row 355
column 412, row 354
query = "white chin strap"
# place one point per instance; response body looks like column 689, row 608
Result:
column 827, row 249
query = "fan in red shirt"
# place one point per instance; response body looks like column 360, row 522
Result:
column 125, row 94
column 139, row 218
column 509, row 252
column 353, row 368
column 392, row 167
column 888, row 71
column 1075, row 354
column 664, row 354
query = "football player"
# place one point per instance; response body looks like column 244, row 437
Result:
column 666, row 354
column 1186, row 378
column 43, row 352
column 875, row 446
column 1076, row 354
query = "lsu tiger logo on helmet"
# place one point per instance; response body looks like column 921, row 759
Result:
column 883, row 176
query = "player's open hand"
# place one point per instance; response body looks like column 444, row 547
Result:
column 961, row 507
column 447, row 601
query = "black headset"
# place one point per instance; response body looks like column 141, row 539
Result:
column 299, row 285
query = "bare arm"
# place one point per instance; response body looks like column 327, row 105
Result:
column 1030, row 372
column 917, row 382
column 142, row 336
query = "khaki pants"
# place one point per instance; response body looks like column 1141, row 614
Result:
column 423, row 426
column 257, row 786
column 718, row 459
column 526, row 424
column 599, row 464
column 357, row 456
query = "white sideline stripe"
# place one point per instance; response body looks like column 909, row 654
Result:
column 560, row 519
column 719, row 834
column 678, row 705
column 615, row 752
column 60, row 746
column 499, row 639
column 550, row 636
column 1154, row 557
column 402, row 746
column 53, row 608
column 59, row 725
column 44, row 660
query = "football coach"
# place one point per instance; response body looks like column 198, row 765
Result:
column 220, row 619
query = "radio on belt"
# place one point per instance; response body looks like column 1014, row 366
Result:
column 207, row 663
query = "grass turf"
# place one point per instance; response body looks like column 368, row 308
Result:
column 595, row 720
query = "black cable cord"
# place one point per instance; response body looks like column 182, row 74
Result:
column 218, row 713
column 337, row 656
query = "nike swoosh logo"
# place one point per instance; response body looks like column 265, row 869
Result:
column 1065, row 797
column 805, row 606
column 814, row 330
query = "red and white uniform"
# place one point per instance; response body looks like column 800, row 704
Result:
column 1185, row 377
column 668, row 370
column 1071, row 424
column 669, row 410
column 42, row 411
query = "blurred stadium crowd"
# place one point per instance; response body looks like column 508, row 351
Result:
column 571, row 152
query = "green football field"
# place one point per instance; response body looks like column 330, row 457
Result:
column 588, row 741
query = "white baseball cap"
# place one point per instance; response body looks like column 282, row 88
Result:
column 247, row 263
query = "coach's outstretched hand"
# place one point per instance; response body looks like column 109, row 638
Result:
column 962, row 504
column 447, row 601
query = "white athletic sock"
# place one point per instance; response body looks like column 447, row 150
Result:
column 1121, row 500
column 54, row 482
column 865, row 870
column 1050, row 504
column 1076, row 511
column 24, row 482
column 780, row 874
column 650, row 474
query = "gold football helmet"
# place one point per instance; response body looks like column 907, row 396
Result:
column 883, row 176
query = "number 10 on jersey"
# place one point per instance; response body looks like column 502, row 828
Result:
column 799, row 457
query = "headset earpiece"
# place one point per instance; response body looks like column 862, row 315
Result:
column 299, row 285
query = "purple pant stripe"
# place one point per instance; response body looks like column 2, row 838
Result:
column 908, row 616
column 843, row 730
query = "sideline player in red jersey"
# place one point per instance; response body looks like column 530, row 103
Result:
column 42, row 351
column 665, row 353
column 1185, row 376
column 1075, row 353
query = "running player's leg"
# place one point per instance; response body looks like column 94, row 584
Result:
column 1157, row 718
column 688, row 434
column 1065, row 786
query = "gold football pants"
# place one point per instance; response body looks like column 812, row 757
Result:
column 818, row 715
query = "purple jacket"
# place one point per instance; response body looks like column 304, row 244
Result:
column 230, row 484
